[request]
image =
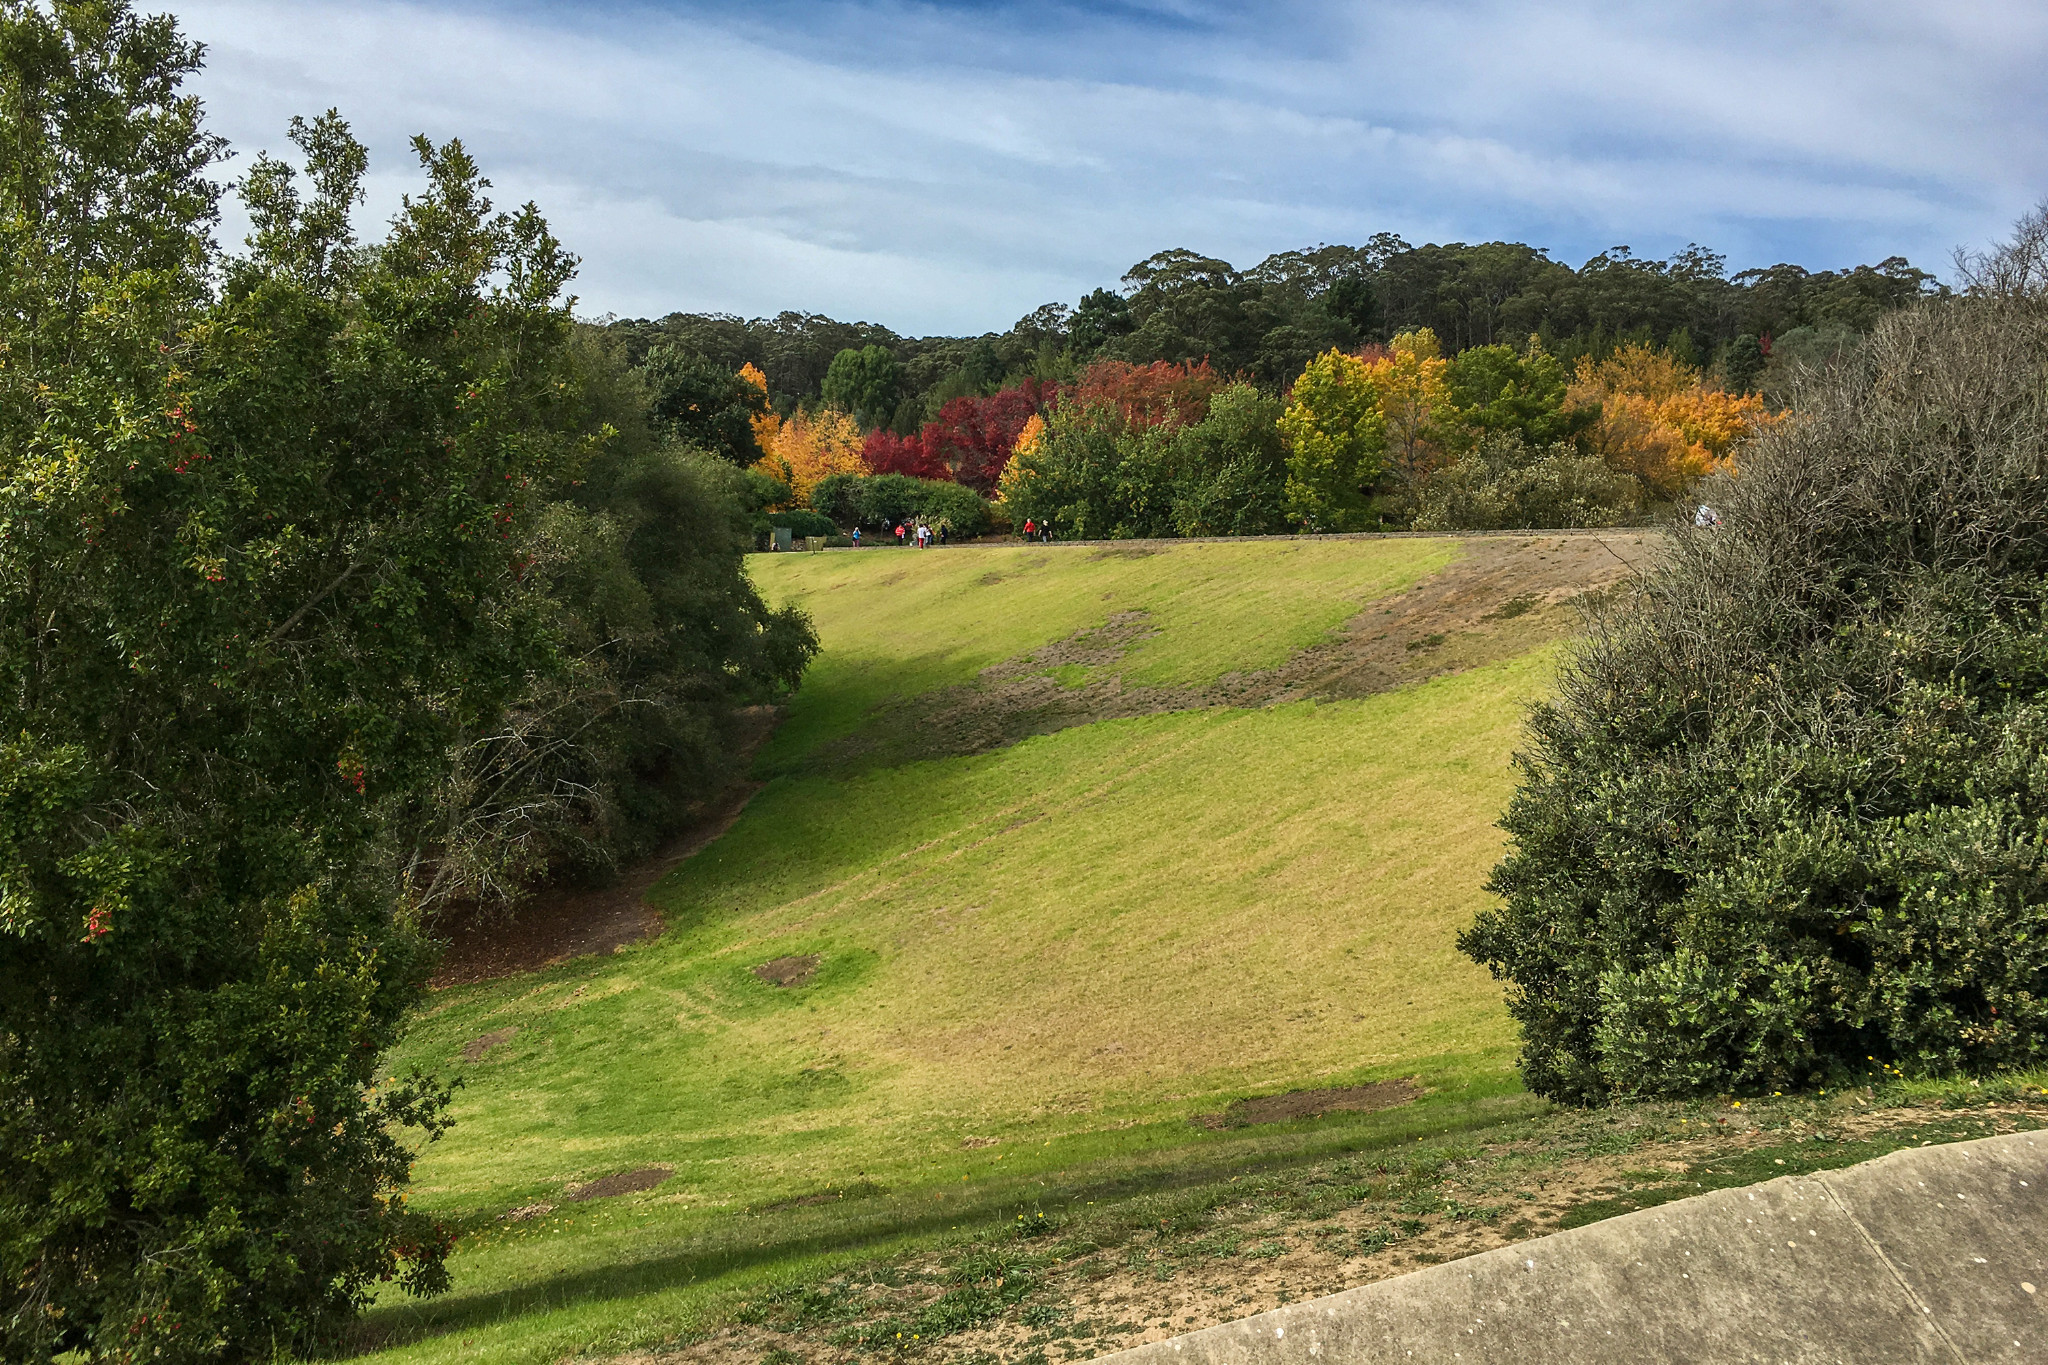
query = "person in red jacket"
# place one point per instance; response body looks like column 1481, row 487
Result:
column 899, row 533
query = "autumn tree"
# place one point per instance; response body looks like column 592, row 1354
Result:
column 1336, row 439
column 1412, row 381
column 884, row 452
column 1161, row 393
column 1659, row 420
column 972, row 438
column 807, row 447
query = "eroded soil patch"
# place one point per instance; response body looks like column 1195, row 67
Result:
column 788, row 971
column 559, row 922
column 1308, row 1104
column 475, row 1048
column 1504, row 597
column 625, row 1182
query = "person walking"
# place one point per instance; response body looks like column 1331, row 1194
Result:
column 1030, row 529
column 943, row 528
column 899, row 533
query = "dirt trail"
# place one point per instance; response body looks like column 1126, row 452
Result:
column 557, row 923
column 1505, row 596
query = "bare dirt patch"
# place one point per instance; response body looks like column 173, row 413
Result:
column 789, row 971
column 625, row 1182
column 475, row 1048
column 1308, row 1104
column 526, row 1213
column 557, row 923
column 1504, row 597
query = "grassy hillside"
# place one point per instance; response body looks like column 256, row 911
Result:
column 1034, row 963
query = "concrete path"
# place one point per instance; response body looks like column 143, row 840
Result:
column 1937, row 1255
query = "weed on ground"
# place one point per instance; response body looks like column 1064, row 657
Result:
column 1085, row 1280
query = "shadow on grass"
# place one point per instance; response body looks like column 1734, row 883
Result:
column 759, row 1239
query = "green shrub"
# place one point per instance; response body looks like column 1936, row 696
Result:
column 887, row 500
column 1789, row 812
column 801, row 522
column 1506, row 484
column 1098, row 475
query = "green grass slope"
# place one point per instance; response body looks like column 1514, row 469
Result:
column 1036, row 964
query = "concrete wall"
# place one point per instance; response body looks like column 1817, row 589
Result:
column 1938, row 1254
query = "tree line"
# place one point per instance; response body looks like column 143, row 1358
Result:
column 1268, row 322
column 1515, row 390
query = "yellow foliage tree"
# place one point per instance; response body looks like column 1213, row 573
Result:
column 1659, row 420
column 1015, row 471
column 809, row 446
column 1411, row 380
column 767, row 423
column 1336, row 441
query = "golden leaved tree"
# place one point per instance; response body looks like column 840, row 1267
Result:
column 1659, row 420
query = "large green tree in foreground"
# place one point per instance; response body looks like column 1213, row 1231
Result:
column 1789, row 812
column 262, row 571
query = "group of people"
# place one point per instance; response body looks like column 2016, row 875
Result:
column 916, row 531
column 920, row 534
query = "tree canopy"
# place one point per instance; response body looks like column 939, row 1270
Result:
column 325, row 595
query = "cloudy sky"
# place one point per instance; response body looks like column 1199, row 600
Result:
column 946, row 167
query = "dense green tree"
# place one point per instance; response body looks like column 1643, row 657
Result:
column 1785, row 815
column 1230, row 469
column 1504, row 483
column 1097, row 473
column 1500, row 389
column 694, row 402
column 866, row 383
column 1100, row 318
column 983, row 369
column 1188, row 307
column 260, row 575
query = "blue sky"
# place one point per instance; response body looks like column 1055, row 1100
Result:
column 948, row 167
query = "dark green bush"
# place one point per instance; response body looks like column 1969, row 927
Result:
column 1789, row 811
column 886, row 500
column 800, row 521
column 1097, row 475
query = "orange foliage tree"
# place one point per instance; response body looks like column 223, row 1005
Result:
column 1659, row 420
column 1157, row 394
column 766, row 423
column 806, row 447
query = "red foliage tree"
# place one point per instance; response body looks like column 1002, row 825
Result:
column 888, row 453
column 973, row 437
column 1151, row 395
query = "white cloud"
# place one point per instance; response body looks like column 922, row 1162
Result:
column 947, row 169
